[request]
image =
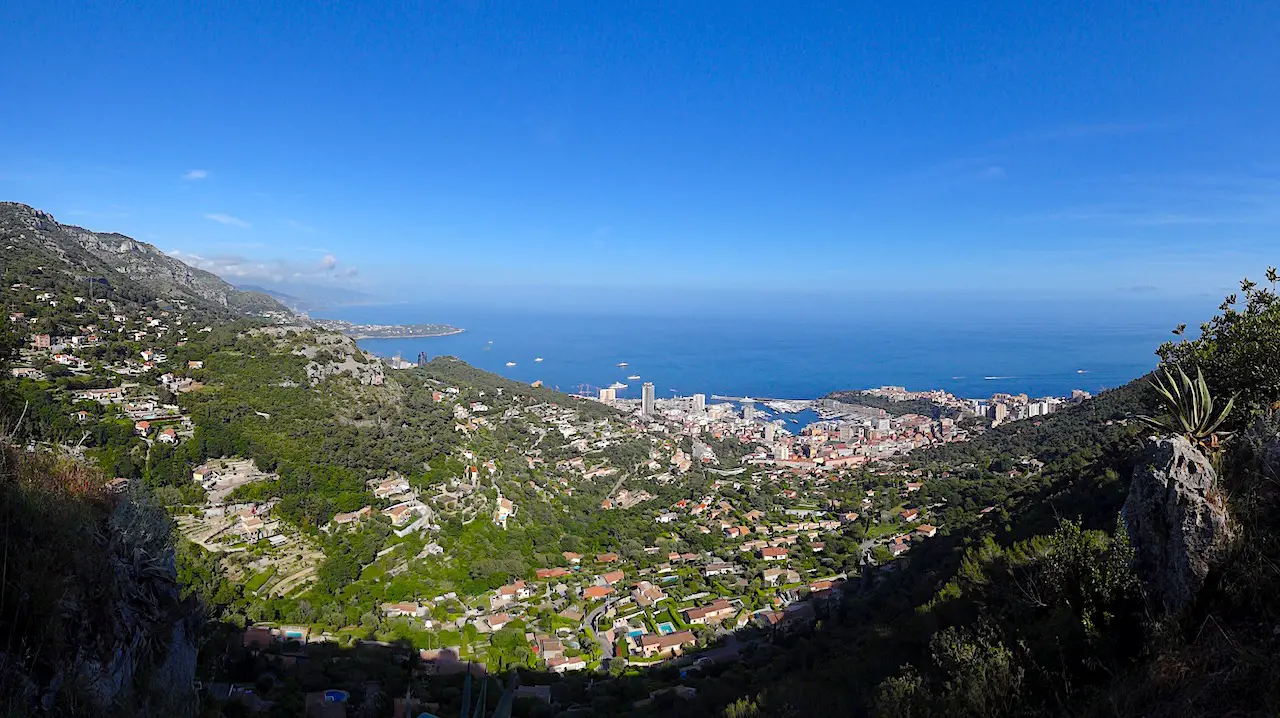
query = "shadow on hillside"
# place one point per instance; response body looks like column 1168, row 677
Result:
column 90, row 616
column 834, row 665
column 250, row 671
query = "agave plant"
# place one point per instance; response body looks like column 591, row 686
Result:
column 1191, row 409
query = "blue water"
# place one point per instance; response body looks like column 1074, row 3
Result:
column 802, row 352
column 635, row 633
column 666, row 628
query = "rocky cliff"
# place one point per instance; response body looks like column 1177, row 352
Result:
column 114, row 261
column 92, row 618
column 1177, row 519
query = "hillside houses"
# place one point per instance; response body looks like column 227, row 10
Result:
column 712, row 613
column 391, row 487
column 505, row 510
column 350, row 519
column 669, row 645
column 646, row 594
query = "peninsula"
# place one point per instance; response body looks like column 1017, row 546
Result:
column 386, row 331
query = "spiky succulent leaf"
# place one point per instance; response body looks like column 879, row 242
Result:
column 1190, row 407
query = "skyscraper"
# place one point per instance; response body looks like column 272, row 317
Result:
column 748, row 410
column 699, row 403
column 647, row 399
column 608, row 396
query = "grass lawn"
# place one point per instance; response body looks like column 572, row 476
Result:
column 881, row 530
column 259, row 580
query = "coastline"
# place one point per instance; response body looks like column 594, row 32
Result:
column 404, row 336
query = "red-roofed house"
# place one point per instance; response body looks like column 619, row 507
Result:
column 352, row 517
column 560, row 664
column 392, row 610
column 717, row 611
column 652, row 644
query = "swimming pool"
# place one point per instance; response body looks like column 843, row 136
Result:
column 635, row 632
column 665, row 628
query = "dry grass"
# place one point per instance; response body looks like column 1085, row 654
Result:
column 82, row 572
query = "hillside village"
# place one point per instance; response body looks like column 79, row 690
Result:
column 720, row 562
column 699, row 531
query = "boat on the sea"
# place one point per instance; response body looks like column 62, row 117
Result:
column 623, row 364
column 537, row 359
column 633, row 377
column 1082, row 371
column 511, row 363
column 617, row 385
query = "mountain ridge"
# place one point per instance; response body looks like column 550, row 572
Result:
column 96, row 258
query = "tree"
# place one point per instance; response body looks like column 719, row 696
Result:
column 1236, row 350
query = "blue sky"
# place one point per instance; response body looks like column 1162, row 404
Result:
column 688, row 149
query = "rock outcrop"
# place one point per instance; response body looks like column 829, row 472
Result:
column 1176, row 519
column 95, row 619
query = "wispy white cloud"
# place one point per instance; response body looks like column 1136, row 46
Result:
column 227, row 220
column 299, row 226
column 238, row 268
column 193, row 175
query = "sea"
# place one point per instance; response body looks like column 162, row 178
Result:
column 1042, row 348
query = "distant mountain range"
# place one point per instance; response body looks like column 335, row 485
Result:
column 120, row 266
column 309, row 297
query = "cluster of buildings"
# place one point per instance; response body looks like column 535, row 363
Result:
column 84, row 335
column 1002, row 408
